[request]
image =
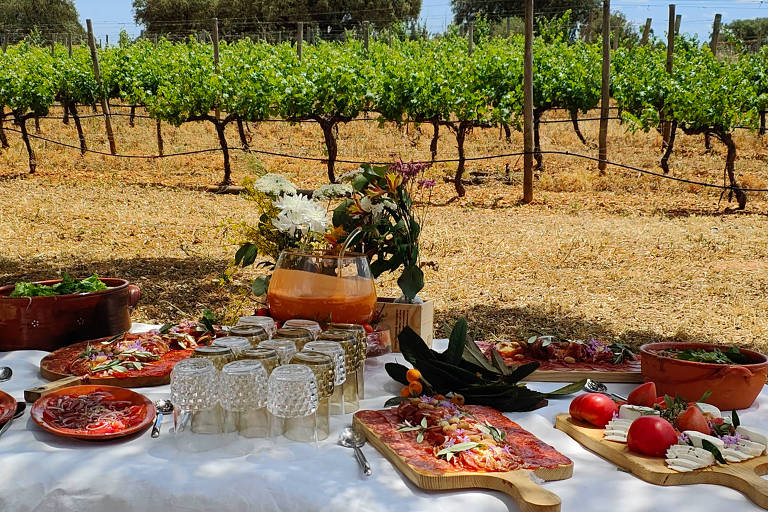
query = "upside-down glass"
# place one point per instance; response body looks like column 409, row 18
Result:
column 300, row 336
column 195, row 395
column 236, row 344
column 336, row 352
column 284, row 347
column 348, row 342
column 253, row 333
column 244, row 393
column 322, row 366
column 292, row 394
column 362, row 340
column 267, row 356
column 322, row 287
column 299, row 323
column 219, row 356
column 265, row 322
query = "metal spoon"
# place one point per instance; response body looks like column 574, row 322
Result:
column 20, row 406
column 594, row 386
column 163, row 407
column 5, row 373
column 350, row 438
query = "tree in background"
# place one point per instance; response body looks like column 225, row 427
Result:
column 750, row 33
column 252, row 17
column 465, row 10
column 625, row 30
column 45, row 17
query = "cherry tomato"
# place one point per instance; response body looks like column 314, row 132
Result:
column 651, row 435
column 644, row 395
column 368, row 328
column 593, row 408
column 692, row 419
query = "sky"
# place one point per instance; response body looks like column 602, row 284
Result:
column 109, row 17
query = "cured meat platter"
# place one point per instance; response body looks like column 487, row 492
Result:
column 745, row 476
column 518, row 484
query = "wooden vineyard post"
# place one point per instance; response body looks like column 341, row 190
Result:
column 666, row 127
column 299, row 37
column 97, row 77
column 53, row 45
column 715, row 34
column 106, row 41
column 366, row 35
column 616, row 37
column 5, row 42
column 646, row 32
column 69, row 44
column 678, row 19
column 159, row 131
column 528, row 105
column 602, row 152
column 508, row 31
column 215, row 37
column 470, row 37
column 154, row 39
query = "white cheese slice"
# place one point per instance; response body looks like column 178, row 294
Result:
column 681, row 469
column 617, row 438
column 754, row 434
column 617, row 432
column 697, row 438
column 750, row 447
column 684, row 463
column 736, row 455
column 699, row 455
column 632, row 412
column 618, row 421
column 709, row 409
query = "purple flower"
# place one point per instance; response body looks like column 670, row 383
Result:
column 449, row 441
column 427, row 400
column 463, row 438
column 731, row 440
column 425, row 183
column 506, row 451
column 682, row 438
column 408, row 170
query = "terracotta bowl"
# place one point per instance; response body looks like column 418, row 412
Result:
column 47, row 323
column 733, row 386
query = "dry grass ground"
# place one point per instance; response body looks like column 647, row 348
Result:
column 625, row 256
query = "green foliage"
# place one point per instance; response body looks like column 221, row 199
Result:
column 66, row 286
column 52, row 16
column 750, row 33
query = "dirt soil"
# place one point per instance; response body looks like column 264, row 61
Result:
column 621, row 256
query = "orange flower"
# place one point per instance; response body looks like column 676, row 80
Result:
column 394, row 181
column 413, row 375
column 356, row 209
column 415, row 388
column 375, row 191
column 333, row 237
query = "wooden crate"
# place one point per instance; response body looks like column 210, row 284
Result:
column 395, row 316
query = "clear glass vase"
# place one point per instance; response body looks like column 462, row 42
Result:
column 322, row 287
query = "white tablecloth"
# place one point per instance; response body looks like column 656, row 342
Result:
column 44, row 473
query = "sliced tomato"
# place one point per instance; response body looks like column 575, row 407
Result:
column 593, row 408
column 643, row 395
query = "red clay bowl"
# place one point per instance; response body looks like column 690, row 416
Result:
column 733, row 386
column 48, row 323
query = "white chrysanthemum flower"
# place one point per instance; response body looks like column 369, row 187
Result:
column 332, row 191
column 377, row 211
column 274, row 185
column 366, row 204
column 347, row 177
column 300, row 214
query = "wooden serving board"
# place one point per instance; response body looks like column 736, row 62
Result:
column 628, row 376
column 742, row 476
column 519, row 485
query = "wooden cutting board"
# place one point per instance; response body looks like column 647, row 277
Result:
column 743, row 476
column 628, row 376
column 519, row 485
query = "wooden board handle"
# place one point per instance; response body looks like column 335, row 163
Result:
column 32, row 394
column 746, row 479
column 530, row 496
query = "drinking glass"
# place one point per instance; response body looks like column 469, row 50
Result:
column 244, row 393
column 267, row 356
column 300, row 336
column 219, row 356
column 299, row 323
column 292, row 395
column 320, row 286
column 322, row 366
column 195, row 394
column 236, row 344
column 285, row 348
column 334, row 350
column 265, row 322
column 253, row 333
column 349, row 343
column 362, row 339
